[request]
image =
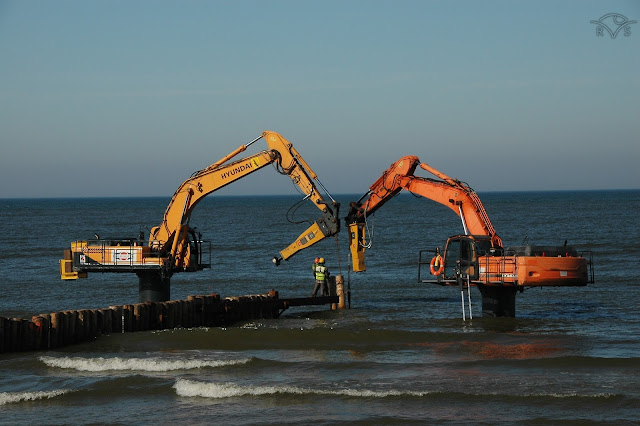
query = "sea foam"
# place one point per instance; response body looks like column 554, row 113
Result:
column 13, row 397
column 134, row 364
column 192, row 388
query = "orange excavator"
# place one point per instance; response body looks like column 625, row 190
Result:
column 476, row 257
column 174, row 246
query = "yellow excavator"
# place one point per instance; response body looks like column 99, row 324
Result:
column 174, row 246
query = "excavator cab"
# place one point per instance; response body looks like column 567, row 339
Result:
column 461, row 256
column 198, row 252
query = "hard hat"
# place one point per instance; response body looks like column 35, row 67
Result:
column 322, row 260
column 317, row 260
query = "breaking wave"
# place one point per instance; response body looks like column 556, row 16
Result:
column 192, row 388
column 13, row 397
column 135, row 364
column 186, row 387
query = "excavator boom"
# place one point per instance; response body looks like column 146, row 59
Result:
column 447, row 191
column 456, row 195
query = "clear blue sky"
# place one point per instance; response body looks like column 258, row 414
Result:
column 128, row 98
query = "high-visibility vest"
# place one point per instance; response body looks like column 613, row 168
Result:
column 320, row 272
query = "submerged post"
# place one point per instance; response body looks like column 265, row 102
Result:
column 153, row 287
column 340, row 291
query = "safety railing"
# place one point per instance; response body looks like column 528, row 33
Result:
column 588, row 254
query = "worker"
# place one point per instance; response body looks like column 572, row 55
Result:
column 321, row 274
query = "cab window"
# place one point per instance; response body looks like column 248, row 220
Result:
column 465, row 251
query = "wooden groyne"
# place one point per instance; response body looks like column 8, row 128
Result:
column 59, row 329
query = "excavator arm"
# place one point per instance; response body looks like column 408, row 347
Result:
column 293, row 165
column 456, row 195
column 171, row 236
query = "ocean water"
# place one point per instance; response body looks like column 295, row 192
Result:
column 401, row 354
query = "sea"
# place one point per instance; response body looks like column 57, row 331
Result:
column 402, row 353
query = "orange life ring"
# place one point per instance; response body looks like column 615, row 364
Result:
column 440, row 269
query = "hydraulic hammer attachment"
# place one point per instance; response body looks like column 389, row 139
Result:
column 356, row 245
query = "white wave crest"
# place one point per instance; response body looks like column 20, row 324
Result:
column 571, row 395
column 192, row 388
column 12, row 397
column 133, row 364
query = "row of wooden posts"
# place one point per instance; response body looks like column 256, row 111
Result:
column 58, row 329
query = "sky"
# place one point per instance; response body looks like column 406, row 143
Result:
column 129, row 98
